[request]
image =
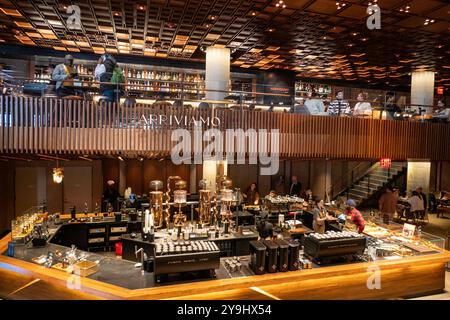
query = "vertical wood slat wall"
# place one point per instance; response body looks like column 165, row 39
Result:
column 45, row 125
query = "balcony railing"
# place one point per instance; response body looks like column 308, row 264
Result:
column 50, row 125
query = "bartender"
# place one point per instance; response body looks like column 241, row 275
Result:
column 62, row 73
column 354, row 215
column 111, row 194
column 320, row 215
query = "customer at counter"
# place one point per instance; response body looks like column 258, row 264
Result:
column 251, row 196
column 320, row 215
column 295, row 188
column 354, row 216
column 388, row 203
column 62, row 74
column 339, row 106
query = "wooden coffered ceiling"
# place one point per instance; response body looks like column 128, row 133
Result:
column 316, row 38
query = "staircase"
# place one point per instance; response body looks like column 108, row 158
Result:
column 373, row 181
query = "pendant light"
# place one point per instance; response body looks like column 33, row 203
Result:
column 58, row 173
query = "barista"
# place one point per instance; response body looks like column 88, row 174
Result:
column 251, row 196
column 320, row 215
column 354, row 216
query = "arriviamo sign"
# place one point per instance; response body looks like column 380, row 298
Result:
column 197, row 146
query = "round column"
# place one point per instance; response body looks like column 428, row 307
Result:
column 422, row 89
column 217, row 72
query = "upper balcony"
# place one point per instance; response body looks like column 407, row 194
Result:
column 66, row 126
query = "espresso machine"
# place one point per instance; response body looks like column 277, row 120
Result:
column 156, row 203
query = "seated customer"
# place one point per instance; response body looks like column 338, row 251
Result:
column 362, row 108
column 314, row 105
column 416, row 202
column 61, row 74
column 442, row 113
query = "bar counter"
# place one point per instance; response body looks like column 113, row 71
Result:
column 410, row 276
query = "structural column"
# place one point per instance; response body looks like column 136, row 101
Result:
column 422, row 89
column 419, row 173
column 217, row 72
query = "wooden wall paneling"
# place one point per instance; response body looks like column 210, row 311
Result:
column 111, row 171
column 153, row 170
column 135, row 176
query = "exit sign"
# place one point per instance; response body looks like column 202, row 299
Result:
column 385, row 163
column 440, row 90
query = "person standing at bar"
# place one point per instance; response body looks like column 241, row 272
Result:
column 104, row 72
column 388, row 203
column 295, row 188
column 64, row 72
column 339, row 106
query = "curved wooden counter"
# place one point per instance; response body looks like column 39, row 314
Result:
column 399, row 278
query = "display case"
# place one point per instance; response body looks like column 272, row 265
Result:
column 393, row 241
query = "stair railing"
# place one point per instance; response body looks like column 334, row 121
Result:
column 354, row 176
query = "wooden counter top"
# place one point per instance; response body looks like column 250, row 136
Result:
column 399, row 278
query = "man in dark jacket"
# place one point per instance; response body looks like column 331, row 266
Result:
column 295, row 188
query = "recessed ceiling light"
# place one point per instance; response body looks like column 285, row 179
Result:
column 23, row 24
column 55, row 23
column 11, row 12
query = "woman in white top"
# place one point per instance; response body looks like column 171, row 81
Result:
column 362, row 108
column 416, row 203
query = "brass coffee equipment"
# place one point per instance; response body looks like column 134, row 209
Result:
column 156, row 203
column 167, row 197
column 226, row 199
column 204, row 204
column 180, row 199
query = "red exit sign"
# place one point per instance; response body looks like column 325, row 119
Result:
column 385, row 163
column 440, row 90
